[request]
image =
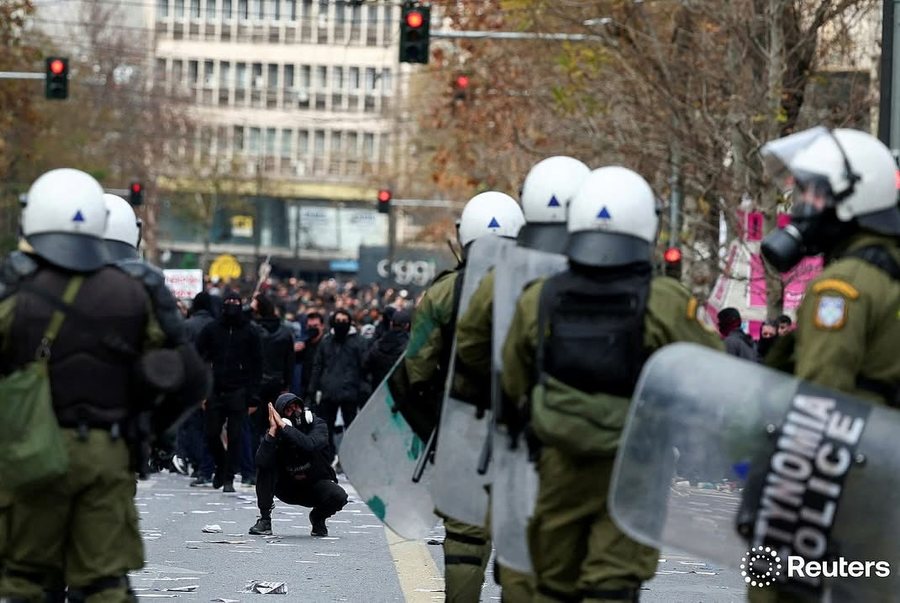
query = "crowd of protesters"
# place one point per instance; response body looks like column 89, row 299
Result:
column 329, row 343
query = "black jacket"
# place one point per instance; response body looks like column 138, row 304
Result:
column 384, row 353
column 235, row 352
column 278, row 353
column 739, row 344
column 301, row 453
column 196, row 323
column 337, row 371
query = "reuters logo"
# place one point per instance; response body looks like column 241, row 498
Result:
column 760, row 566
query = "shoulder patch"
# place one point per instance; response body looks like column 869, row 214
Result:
column 691, row 311
column 836, row 285
column 831, row 312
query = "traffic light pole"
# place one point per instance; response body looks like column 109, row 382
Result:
column 22, row 75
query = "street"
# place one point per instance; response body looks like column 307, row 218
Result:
column 359, row 561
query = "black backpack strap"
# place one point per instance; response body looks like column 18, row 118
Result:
column 546, row 301
column 879, row 257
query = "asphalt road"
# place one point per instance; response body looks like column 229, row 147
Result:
column 359, row 561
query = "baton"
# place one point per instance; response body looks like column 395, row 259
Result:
column 426, row 456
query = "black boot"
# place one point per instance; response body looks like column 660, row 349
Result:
column 262, row 527
column 318, row 525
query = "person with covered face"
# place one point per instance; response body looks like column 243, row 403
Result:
column 294, row 464
column 232, row 346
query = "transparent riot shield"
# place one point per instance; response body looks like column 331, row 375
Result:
column 379, row 455
column 514, row 477
column 457, row 488
column 756, row 470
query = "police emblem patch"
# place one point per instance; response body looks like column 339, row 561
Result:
column 831, row 312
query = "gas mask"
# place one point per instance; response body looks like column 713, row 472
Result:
column 815, row 226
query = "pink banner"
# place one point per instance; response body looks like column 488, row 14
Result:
column 794, row 281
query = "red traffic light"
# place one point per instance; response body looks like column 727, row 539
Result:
column 384, row 196
column 57, row 66
column 414, row 19
column 672, row 255
column 462, row 82
column 136, row 187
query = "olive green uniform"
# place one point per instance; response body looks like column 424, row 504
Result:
column 474, row 334
column 80, row 530
column 467, row 548
column 851, row 352
column 576, row 549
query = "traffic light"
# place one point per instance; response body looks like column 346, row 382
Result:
column 56, row 78
column 384, row 201
column 136, row 193
column 414, row 33
column 672, row 257
column 461, row 87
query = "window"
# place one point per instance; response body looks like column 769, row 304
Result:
column 177, row 71
column 356, row 18
column 338, row 81
column 195, row 9
column 208, row 74
column 352, row 143
column 239, row 138
column 273, row 77
column 241, row 76
column 260, row 9
column 386, row 82
column 222, row 139
column 319, row 143
column 226, row 9
column 340, row 15
column 257, row 81
column 369, row 147
column 275, row 9
column 270, row 142
column 302, row 143
column 253, row 147
column 336, row 144
column 160, row 72
column 192, row 73
column 210, row 10
column 354, row 78
column 179, row 9
column 288, row 77
column 162, row 9
column 243, row 9
column 321, row 77
column 286, row 139
column 370, row 79
column 224, row 75
column 305, row 77
column 292, row 9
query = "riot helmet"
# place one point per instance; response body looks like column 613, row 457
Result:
column 839, row 180
column 487, row 213
column 64, row 220
column 123, row 229
column 612, row 219
column 546, row 193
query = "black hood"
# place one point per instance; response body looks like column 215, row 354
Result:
column 269, row 324
column 285, row 399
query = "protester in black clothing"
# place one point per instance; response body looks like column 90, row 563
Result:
column 387, row 349
column 768, row 336
column 190, row 441
column 294, row 465
column 338, row 380
column 737, row 343
column 278, row 350
column 232, row 345
column 305, row 351
column 384, row 325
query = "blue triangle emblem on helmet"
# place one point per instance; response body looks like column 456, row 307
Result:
column 554, row 202
column 78, row 217
column 494, row 223
column 604, row 214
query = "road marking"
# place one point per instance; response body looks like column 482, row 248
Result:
column 415, row 567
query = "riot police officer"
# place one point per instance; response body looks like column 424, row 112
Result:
column 577, row 343
column 844, row 204
column 123, row 229
column 117, row 341
column 466, row 547
column 546, row 192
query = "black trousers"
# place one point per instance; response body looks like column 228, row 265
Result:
column 222, row 408
column 324, row 496
column 328, row 410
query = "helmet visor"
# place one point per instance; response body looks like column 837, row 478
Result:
column 778, row 155
column 70, row 251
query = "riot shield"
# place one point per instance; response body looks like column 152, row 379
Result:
column 457, row 488
column 790, row 483
column 515, row 480
column 379, row 454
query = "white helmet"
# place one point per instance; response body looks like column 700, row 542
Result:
column 490, row 213
column 546, row 193
column 65, row 218
column 612, row 219
column 858, row 168
column 123, row 231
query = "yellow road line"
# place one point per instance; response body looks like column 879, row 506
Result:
column 420, row 579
